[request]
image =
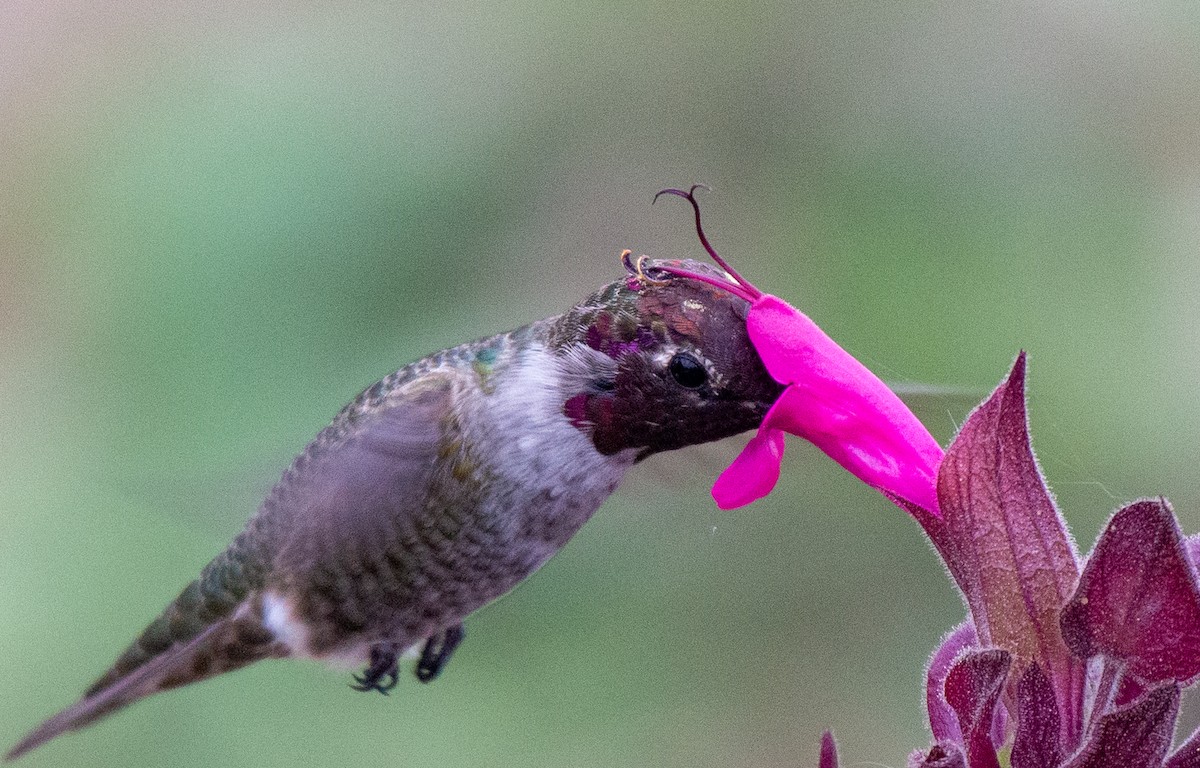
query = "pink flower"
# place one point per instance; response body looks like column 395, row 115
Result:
column 831, row 400
column 1063, row 661
column 835, row 403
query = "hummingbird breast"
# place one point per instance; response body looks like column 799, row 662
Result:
column 455, row 486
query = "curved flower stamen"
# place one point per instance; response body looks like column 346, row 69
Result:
column 735, row 288
column 690, row 196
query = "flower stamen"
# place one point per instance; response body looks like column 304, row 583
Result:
column 725, row 285
column 639, row 274
column 747, row 289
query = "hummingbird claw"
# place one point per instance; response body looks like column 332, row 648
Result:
column 437, row 652
column 382, row 673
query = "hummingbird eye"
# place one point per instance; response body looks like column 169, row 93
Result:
column 687, row 371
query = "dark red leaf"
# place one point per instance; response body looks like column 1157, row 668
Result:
column 1192, row 545
column 973, row 687
column 1137, row 599
column 941, row 755
column 1129, row 689
column 1136, row 736
column 828, row 751
column 942, row 720
column 1006, row 544
column 1036, row 744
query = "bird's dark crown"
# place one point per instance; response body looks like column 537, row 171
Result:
column 676, row 365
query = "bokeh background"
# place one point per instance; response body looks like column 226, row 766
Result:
column 219, row 221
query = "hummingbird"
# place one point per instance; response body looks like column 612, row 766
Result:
column 446, row 483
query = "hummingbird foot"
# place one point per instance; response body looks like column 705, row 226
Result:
column 382, row 673
column 437, row 652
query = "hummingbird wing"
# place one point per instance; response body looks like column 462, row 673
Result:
column 362, row 475
column 366, row 521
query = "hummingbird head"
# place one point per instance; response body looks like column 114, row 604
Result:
column 661, row 360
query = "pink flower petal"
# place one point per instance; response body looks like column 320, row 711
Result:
column 837, row 404
column 753, row 473
column 783, row 336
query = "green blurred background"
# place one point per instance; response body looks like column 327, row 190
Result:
column 219, row 221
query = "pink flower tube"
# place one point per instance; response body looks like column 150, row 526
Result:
column 831, row 400
column 835, row 403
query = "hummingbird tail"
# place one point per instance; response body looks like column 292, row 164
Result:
column 225, row 645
